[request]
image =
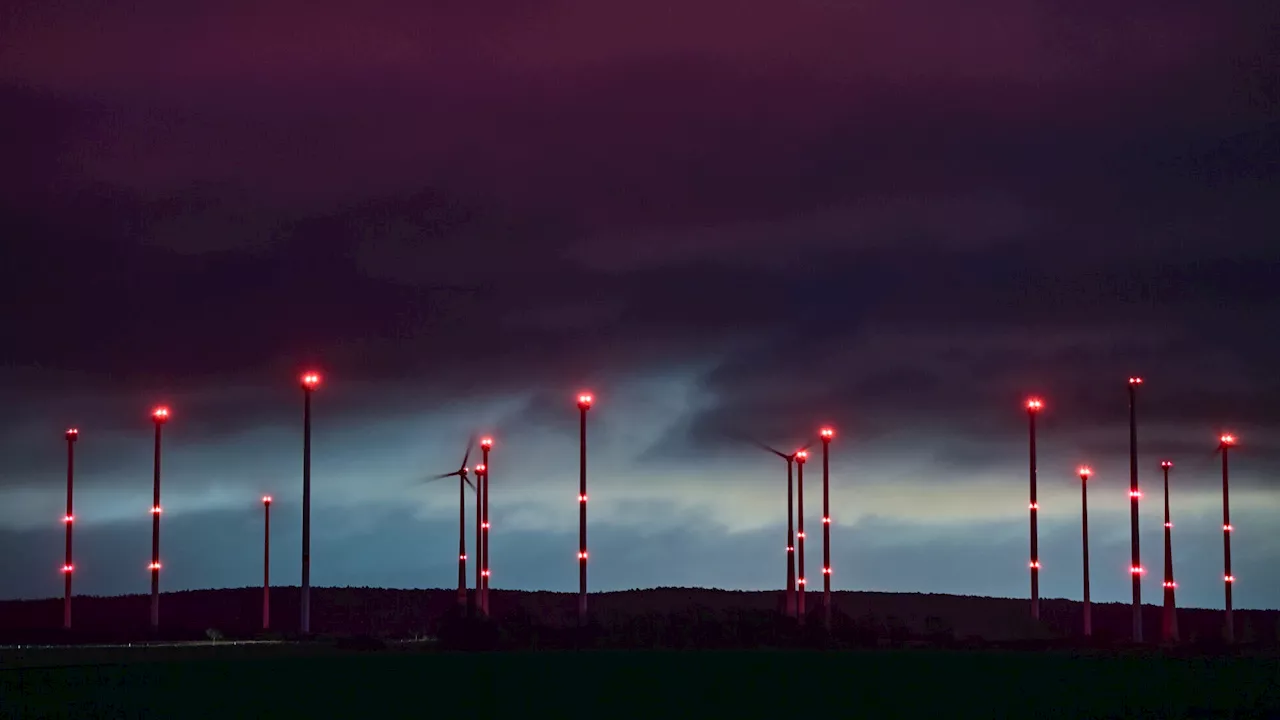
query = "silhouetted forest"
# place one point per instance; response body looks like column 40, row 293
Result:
column 662, row 617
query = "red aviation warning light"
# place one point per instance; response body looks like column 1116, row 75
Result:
column 160, row 414
column 585, row 400
column 310, row 380
column 1035, row 404
column 486, row 443
column 1084, row 471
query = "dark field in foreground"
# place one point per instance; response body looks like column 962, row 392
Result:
column 713, row 684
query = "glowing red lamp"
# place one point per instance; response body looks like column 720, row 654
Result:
column 1035, row 404
column 486, row 443
column 310, row 380
column 1227, row 439
column 160, row 414
column 266, row 499
column 802, row 455
column 1085, row 471
column 827, row 433
column 585, row 400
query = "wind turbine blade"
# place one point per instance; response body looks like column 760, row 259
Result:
column 468, row 482
column 471, row 441
column 748, row 439
column 442, row 476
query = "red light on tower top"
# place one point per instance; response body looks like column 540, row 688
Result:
column 266, row 499
column 1166, row 464
column 1084, row 471
column 480, row 469
column 802, row 455
column 160, row 414
column 1035, row 404
column 486, row 443
column 310, row 380
column 1227, row 439
column 72, row 433
column 1135, row 381
column 585, row 400
column 827, row 433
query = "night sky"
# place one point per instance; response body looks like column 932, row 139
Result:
column 900, row 217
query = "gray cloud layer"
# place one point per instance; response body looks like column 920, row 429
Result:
column 899, row 218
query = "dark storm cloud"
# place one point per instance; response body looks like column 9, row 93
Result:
column 899, row 218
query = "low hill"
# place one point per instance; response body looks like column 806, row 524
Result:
column 388, row 613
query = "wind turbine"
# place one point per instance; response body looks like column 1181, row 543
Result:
column 68, row 565
column 801, row 456
column 826, row 434
column 790, row 458
column 1135, row 570
column 1225, row 443
column 1169, row 626
column 160, row 416
column 1034, row 406
column 584, row 404
column 463, row 483
column 1085, row 472
column 486, row 444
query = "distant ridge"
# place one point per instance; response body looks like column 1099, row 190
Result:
column 237, row 612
